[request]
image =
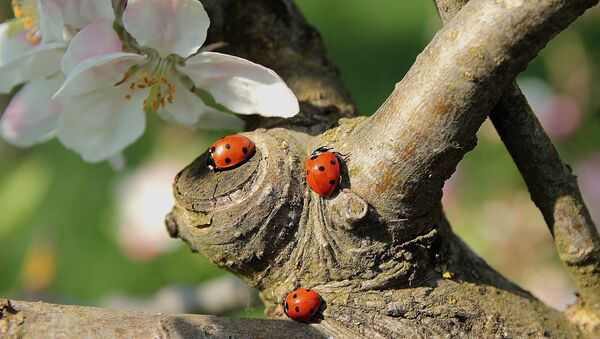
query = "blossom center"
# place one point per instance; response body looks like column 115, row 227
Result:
column 154, row 78
column 26, row 19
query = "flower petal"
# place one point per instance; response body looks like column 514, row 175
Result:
column 31, row 117
column 97, row 72
column 41, row 61
column 51, row 21
column 98, row 38
column 12, row 46
column 100, row 124
column 78, row 14
column 188, row 109
column 168, row 26
column 241, row 85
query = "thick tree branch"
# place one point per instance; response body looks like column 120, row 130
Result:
column 19, row 319
column 418, row 136
column 552, row 186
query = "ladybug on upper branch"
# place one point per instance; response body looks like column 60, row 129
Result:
column 322, row 171
column 229, row 152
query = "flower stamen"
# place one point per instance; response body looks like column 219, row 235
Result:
column 26, row 19
column 162, row 90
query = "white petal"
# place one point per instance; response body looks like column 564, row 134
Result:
column 241, row 85
column 41, row 61
column 80, row 13
column 31, row 116
column 12, row 46
column 51, row 21
column 97, row 72
column 188, row 109
column 168, row 26
column 102, row 123
column 98, row 38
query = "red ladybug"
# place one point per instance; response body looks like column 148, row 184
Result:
column 230, row 151
column 322, row 170
column 302, row 304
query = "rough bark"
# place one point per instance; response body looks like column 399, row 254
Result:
column 553, row 189
column 40, row 320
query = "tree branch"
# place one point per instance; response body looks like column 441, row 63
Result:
column 20, row 319
column 418, row 136
column 554, row 190
column 552, row 186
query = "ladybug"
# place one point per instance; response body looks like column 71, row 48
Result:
column 230, row 151
column 302, row 304
column 322, row 170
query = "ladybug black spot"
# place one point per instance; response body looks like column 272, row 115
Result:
column 228, row 146
column 297, row 309
column 245, row 150
column 294, row 296
column 212, row 149
column 332, row 182
column 307, row 290
column 321, row 168
column 312, row 310
column 332, row 162
column 314, row 157
column 227, row 160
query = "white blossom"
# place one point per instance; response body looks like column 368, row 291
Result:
column 160, row 74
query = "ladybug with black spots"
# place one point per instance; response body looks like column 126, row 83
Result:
column 229, row 152
column 322, row 171
column 302, row 304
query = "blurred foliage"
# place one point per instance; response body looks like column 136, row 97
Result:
column 49, row 198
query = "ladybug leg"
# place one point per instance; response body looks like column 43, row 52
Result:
column 342, row 156
column 321, row 149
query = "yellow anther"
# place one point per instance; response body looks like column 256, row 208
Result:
column 26, row 19
column 161, row 91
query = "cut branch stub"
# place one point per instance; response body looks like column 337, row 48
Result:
column 241, row 218
column 261, row 221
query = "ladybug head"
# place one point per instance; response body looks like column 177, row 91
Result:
column 319, row 150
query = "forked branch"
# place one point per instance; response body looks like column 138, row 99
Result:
column 552, row 186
